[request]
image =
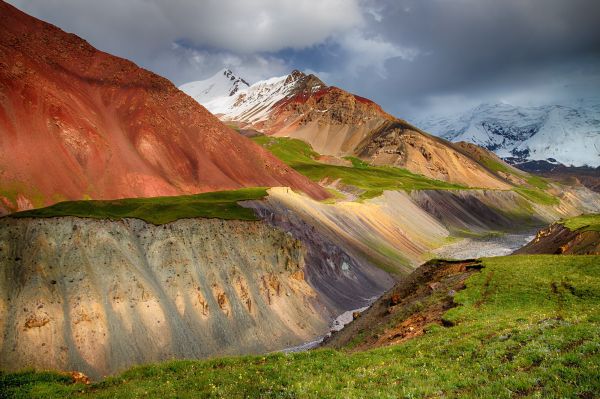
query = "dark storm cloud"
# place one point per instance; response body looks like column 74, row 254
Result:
column 487, row 48
column 412, row 56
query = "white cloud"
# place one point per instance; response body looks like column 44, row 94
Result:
column 191, row 64
column 216, row 33
column 262, row 25
column 366, row 53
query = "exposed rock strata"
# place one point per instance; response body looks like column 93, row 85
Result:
column 99, row 296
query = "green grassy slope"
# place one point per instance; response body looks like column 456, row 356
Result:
column 537, row 185
column 527, row 326
column 589, row 222
column 158, row 210
column 373, row 180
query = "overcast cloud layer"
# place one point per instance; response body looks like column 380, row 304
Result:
column 414, row 57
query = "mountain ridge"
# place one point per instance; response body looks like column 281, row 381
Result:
column 568, row 134
column 339, row 124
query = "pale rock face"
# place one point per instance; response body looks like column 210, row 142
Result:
column 567, row 134
column 100, row 296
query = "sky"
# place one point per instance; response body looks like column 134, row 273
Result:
column 417, row 58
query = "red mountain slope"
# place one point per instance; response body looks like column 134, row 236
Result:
column 76, row 122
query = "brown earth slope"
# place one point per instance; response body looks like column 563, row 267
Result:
column 76, row 122
column 405, row 311
column 558, row 239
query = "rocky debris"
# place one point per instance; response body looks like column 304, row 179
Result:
column 36, row 320
column 80, row 378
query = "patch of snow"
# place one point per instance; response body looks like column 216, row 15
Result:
column 250, row 104
column 222, row 84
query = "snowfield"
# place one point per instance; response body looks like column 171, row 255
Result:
column 250, row 104
column 567, row 134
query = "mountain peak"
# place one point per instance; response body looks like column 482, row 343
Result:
column 303, row 81
column 223, row 83
column 294, row 76
column 228, row 73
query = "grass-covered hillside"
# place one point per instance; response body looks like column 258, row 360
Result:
column 372, row 180
column 158, row 210
column 525, row 326
column 590, row 222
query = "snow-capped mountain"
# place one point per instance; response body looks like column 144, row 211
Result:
column 222, row 84
column 337, row 123
column 566, row 134
column 249, row 104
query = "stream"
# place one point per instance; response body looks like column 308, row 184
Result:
column 496, row 245
column 499, row 245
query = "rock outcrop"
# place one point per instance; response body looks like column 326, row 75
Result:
column 99, row 296
column 560, row 240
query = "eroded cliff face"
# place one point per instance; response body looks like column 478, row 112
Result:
column 558, row 239
column 99, row 296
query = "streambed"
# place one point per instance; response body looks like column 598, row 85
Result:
column 493, row 245
column 496, row 245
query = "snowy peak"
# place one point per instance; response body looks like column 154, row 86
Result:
column 222, row 84
column 253, row 103
column 236, row 82
column 567, row 134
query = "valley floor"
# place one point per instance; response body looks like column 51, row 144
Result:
column 525, row 326
column 490, row 245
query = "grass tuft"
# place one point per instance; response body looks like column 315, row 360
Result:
column 590, row 222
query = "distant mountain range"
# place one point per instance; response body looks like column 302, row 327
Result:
column 338, row 124
column 569, row 135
